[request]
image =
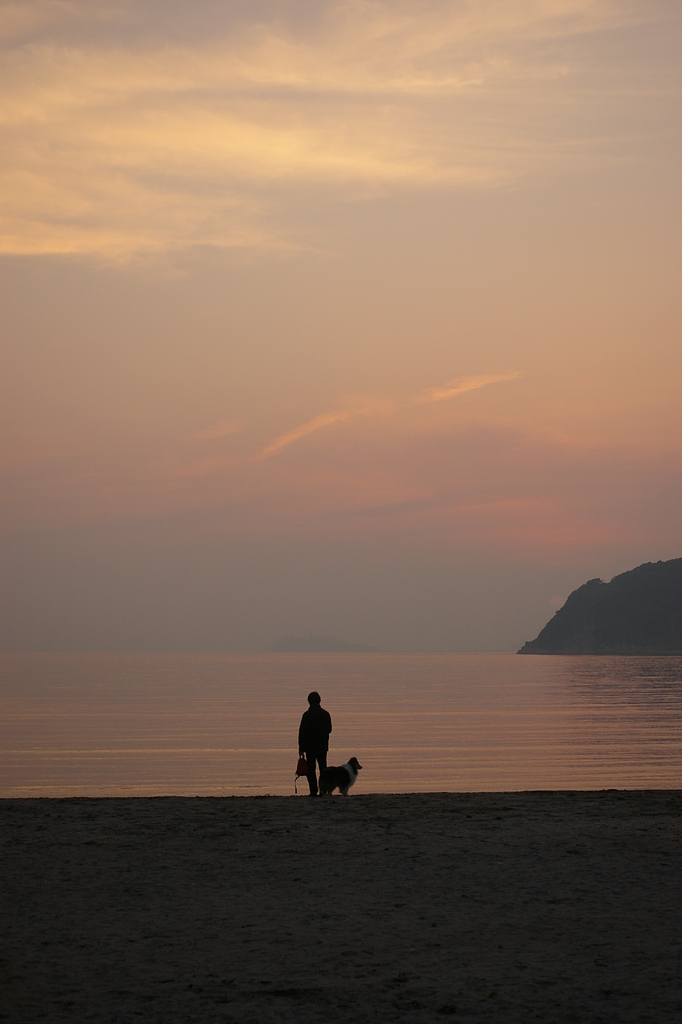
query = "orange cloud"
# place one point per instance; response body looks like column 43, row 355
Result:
column 451, row 390
column 116, row 151
column 459, row 387
column 284, row 440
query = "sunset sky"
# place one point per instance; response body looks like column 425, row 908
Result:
column 357, row 319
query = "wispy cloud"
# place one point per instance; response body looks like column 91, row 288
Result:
column 452, row 389
column 311, row 427
column 117, row 142
column 460, row 386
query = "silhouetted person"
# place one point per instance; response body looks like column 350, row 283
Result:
column 313, row 738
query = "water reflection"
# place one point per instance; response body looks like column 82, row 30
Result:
column 625, row 680
column 221, row 724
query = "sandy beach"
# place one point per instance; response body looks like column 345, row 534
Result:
column 505, row 907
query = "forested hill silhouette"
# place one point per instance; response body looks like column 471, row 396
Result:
column 638, row 612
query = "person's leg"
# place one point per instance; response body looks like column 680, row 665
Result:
column 322, row 761
column 312, row 777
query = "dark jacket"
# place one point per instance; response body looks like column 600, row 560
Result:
column 313, row 734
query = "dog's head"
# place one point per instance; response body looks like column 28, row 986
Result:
column 355, row 764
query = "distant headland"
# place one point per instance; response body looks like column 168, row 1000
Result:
column 638, row 612
column 317, row 645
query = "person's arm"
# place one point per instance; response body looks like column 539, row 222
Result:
column 301, row 736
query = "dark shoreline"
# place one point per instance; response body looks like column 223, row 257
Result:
column 550, row 905
column 428, row 794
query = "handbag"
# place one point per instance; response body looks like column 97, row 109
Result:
column 301, row 769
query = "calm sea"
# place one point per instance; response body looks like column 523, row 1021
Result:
column 218, row 724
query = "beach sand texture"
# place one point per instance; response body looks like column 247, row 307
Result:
column 500, row 907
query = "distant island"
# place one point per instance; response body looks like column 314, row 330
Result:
column 638, row 612
column 317, row 645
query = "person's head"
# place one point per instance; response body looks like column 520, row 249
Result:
column 314, row 698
